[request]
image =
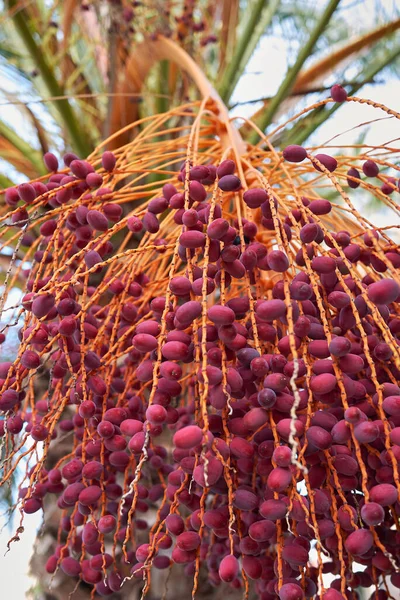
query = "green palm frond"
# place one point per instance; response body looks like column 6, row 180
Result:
column 71, row 61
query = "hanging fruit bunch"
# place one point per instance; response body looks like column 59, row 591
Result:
column 223, row 361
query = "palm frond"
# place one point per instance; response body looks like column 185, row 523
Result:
column 312, row 77
column 19, row 153
column 63, row 106
column 258, row 20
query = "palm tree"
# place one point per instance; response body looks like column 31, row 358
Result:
column 91, row 69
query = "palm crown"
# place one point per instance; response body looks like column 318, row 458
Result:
column 85, row 68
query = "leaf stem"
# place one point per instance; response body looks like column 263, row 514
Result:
column 30, row 154
column 288, row 82
column 79, row 141
column 5, row 182
column 260, row 18
column 317, row 117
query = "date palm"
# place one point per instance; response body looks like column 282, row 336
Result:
column 96, row 68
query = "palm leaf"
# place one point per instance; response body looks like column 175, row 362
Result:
column 260, row 17
column 67, row 22
column 312, row 77
column 229, row 10
column 318, row 71
column 290, row 78
column 63, row 107
column 19, row 153
column 308, row 124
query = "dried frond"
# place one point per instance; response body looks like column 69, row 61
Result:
column 313, row 76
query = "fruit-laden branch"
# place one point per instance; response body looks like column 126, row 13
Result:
column 253, row 324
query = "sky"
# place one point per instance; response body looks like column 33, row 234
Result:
column 264, row 75
column 345, row 125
